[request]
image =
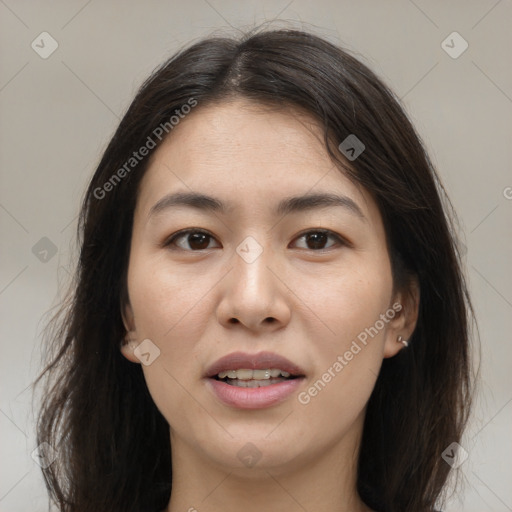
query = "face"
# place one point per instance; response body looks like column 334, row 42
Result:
column 265, row 278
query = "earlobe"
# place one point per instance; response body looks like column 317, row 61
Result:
column 403, row 325
column 129, row 343
column 394, row 345
column 128, row 346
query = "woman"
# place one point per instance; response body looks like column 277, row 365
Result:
column 269, row 310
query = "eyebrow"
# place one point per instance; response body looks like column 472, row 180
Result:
column 289, row 205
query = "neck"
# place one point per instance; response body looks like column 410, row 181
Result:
column 326, row 481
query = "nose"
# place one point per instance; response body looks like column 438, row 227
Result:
column 253, row 295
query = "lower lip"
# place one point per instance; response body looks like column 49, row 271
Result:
column 254, row 398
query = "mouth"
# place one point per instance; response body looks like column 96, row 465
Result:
column 247, row 378
column 253, row 381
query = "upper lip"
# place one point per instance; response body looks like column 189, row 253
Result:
column 259, row 361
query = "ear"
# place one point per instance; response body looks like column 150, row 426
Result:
column 129, row 344
column 406, row 305
column 127, row 316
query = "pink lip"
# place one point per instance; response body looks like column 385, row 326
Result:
column 253, row 398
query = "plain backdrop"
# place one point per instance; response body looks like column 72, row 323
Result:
column 58, row 113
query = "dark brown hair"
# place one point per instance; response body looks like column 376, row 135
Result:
column 113, row 443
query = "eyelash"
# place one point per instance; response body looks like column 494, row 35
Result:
column 170, row 241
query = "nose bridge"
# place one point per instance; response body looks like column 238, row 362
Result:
column 253, row 295
column 250, row 261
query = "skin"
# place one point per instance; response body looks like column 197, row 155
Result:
column 183, row 300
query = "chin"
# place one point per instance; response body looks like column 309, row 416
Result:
column 249, row 452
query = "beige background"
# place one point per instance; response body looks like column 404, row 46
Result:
column 57, row 114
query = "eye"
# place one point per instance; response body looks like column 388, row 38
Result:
column 317, row 238
column 197, row 240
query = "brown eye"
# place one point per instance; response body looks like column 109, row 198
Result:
column 316, row 240
column 194, row 240
column 190, row 240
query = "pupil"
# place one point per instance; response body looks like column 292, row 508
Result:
column 317, row 239
column 197, row 241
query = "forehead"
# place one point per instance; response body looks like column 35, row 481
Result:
column 249, row 156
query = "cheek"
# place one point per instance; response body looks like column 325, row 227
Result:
column 348, row 361
column 165, row 299
column 170, row 310
column 351, row 298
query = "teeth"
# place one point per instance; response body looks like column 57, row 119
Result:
column 254, row 383
column 245, row 374
column 261, row 374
